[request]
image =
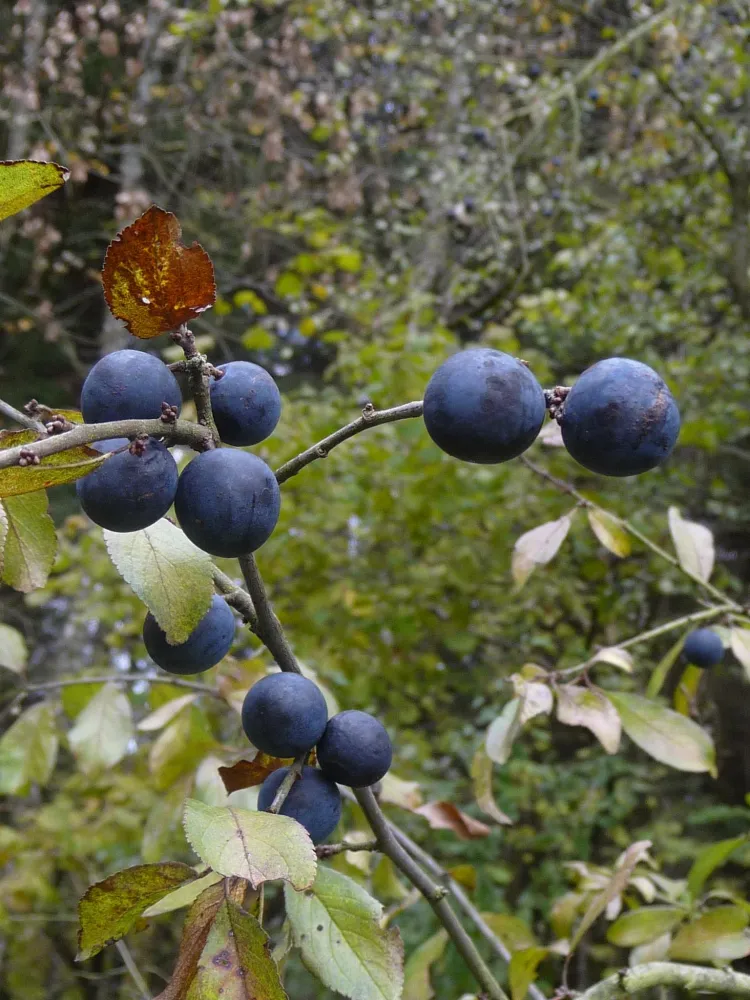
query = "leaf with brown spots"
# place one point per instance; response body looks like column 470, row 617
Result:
column 446, row 816
column 109, row 909
column 195, row 933
column 248, row 773
column 152, row 282
column 236, row 963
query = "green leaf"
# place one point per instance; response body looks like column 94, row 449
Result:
column 257, row 846
column 236, row 962
column 172, row 577
column 503, row 731
column 28, row 750
column 522, row 970
column 646, row 923
column 109, row 909
column 662, row 668
column 347, row 259
column 13, row 652
column 579, row 706
column 22, row 182
column 165, row 713
column 694, row 545
column 538, row 547
column 610, row 532
column 103, row 730
column 180, row 748
column 417, row 985
column 289, row 285
column 257, row 338
column 667, row 736
column 515, row 933
column 185, row 895
column 740, row 642
column 30, row 542
column 481, row 774
column 708, row 859
column 52, row 470
column 336, row 925
column 720, row 935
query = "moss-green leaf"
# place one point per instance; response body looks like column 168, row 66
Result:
column 30, row 541
column 515, row 933
column 109, row 909
column 28, row 750
column 643, row 924
column 103, row 730
column 236, row 963
column 417, row 985
column 257, row 846
column 336, row 924
column 708, row 860
column 721, row 935
column 52, row 470
column 667, row 736
column 522, row 970
column 172, row 577
column 22, row 182
column 610, row 532
column 185, row 895
column 13, row 652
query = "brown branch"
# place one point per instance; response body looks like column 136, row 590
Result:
column 267, row 628
column 433, row 893
column 236, row 597
column 370, row 418
column 328, row 850
column 197, row 369
column 294, row 772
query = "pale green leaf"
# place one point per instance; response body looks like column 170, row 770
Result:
column 721, row 935
column 522, row 970
column 616, row 657
column 22, row 182
column 662, row 668
column 109, row 909
column 180, row 747
column 13, row 652
column 740, row 642
column 582, row 706
column 236, row 962
column 694, row 544
column 172, row 577
column 336, row 925
column 536, row 697
column 708, row 859
column 103, row 730
column 538, row 547
column 257, row 846
column 397, row 792
column 610, row 532
column 503, row 731
column 481, row 774
column 185, row 895
column 613, row 888
column 652, row 951
column 644, row 924
column 30, row 542
column 515, row 933
column 165, row 713
column 417, row 985
column 28, row 750
column 667, row 736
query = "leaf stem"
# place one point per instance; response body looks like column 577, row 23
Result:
column 236, row 597
column 294, row 772
column 328, row 850
column 370, row 418
column 268, row 628
column 433, row 893
column 122, row 678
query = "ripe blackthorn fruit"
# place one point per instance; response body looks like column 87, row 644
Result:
column 355, row 749
column 246, row 403
column 703, row 648
column 483, row 406
column 206, row 645
column 227, row 502
column 128, row 385
column 314, row 801
column 284, row 714
column 132, row 489
column 620, row 419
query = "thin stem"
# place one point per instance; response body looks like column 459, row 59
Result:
column 370, row 418
column 692, row 978
column 122, row 678
column 294, row 772
column 21, row 418
column 328, row 850
column 135, row 972
column 564, row 487
column 236, row 597
column 268, row 628
column 197, row 368
column 179, row 432
column 434, row 894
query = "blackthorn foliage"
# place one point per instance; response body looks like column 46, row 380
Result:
column 133, row 488
column 246, row 403
column 284, row 714
column 128, row 385
column 703, row 648
column 227, row 502
column 314, row 801
column 355, row 749
column 620, row 419
column 206, row 645
column 483, row 406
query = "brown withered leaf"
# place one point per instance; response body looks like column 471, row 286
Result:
column 248, row 773
column 152, row 282
column 446, row 816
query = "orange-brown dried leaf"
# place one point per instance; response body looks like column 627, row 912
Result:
column 248, row 773
column 446, row 816
column 152, row 281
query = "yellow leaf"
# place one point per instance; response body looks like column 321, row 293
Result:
column 22, row 182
